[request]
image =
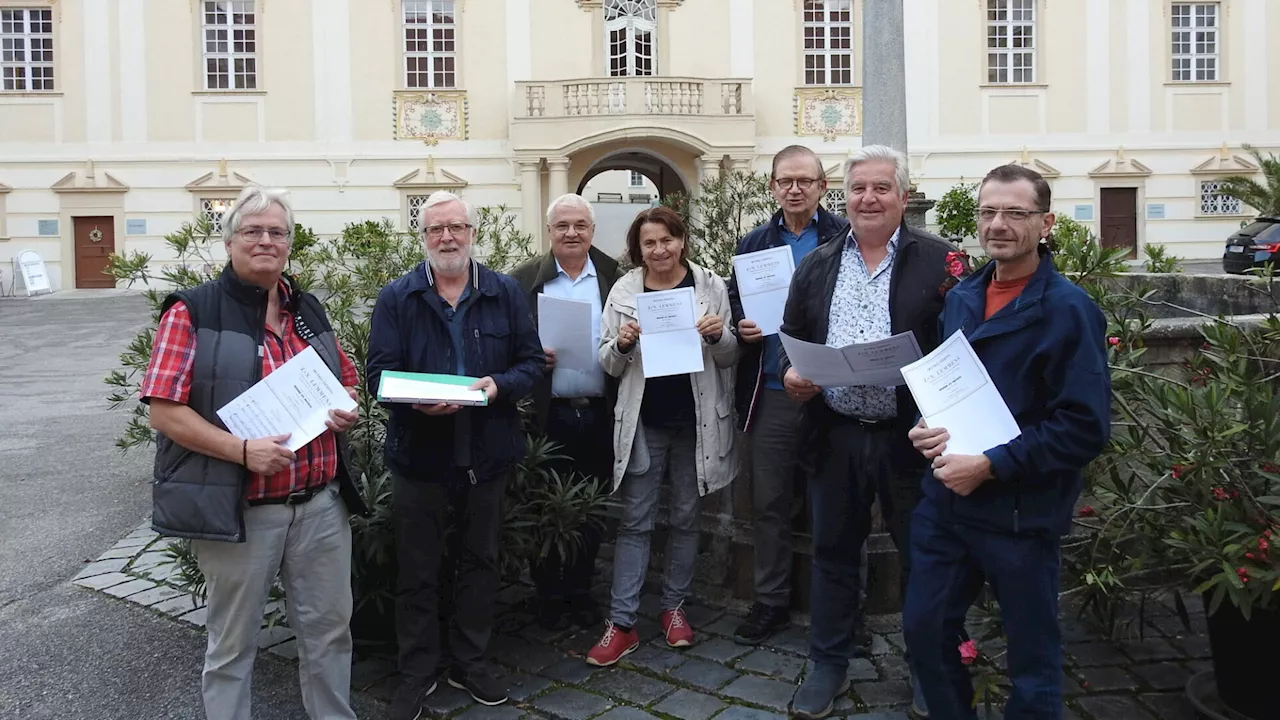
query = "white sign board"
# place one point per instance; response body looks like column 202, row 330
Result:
column 31, row 269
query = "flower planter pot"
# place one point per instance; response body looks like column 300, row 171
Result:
column 1243, row 656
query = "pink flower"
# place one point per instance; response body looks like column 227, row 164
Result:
column 1087, row 511
column 968, row 652
column 955, row 263
column 1218, row 493
column 1176, row 471
column 1249, row 555
column 1263, row 545
column 1243, row 574
column 1113, row 341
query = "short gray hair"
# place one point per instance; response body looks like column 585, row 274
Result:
column 441, row 197
column 880, row 153
column 571, row 200
column 256, row 199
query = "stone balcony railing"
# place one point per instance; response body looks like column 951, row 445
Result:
column 554, row 113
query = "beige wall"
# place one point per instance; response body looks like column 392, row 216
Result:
column 1119, row 67
column 777, row 35
column 962, row 66
column 377, row 69
column 171, row 71
column 1273, row 62
column 484, row 68
column 556, row 27
column 1060, row 68
column 700, row 25
column 287, row 69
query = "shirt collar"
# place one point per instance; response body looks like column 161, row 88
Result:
column 893, row 240
column 782, row 220
column 588, row 270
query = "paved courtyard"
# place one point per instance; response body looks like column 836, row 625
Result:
column 92, row 626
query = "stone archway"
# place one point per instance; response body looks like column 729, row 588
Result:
column 623, row 178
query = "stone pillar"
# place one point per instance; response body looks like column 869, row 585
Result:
column 884, row 90
column 740, row 164
column 708, row 167
column 531, row 197
column 917, row 206
column 558, row 177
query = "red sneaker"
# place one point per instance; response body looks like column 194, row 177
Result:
column 614, row 645
column 676, row 626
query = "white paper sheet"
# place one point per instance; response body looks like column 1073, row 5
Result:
column 669, row 339
column 764, row 278
column 296, row 398
column 954, row 391
column 565, row 326
column 874, row 363
column 428, row 389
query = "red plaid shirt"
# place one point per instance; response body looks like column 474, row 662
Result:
column 168, row 377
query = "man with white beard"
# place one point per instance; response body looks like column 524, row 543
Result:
column 451, row 315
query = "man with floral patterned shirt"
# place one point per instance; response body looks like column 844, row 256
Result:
column 884, row 278
column 253, row 508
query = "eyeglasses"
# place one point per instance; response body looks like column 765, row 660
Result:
column 254, row 232
column 802, row 183
column 455, row 229
column 987, row 214
column 563, row 228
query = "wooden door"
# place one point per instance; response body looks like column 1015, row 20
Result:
column 95, row 241
column 1120, row 219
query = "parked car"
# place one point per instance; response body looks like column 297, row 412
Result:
column 1253, row 246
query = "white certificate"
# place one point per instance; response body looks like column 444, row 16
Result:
column 953, row 391
column 764, row 278
column 296, row 399
column 669, row 339
column 565, row 326
column 874, row 363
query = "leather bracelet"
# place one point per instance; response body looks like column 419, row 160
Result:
column 244, row 453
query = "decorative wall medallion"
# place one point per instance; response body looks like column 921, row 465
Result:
column 95, row 235
column 829, row 112
column 431, row 117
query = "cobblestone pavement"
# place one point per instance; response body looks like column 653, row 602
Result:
column 1141, row 678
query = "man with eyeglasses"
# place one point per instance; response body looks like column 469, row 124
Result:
column 880, row 279
column 770, row 418
column 998, row 517
column 253, row 508
column 450, row 464
column 573, row 408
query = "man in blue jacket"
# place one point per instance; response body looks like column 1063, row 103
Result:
column 451, row 315
column 770, row 418
column 998, row 517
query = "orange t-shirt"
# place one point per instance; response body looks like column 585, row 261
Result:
column 1001, row 293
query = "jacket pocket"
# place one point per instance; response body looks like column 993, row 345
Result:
column 724, row 424
column 493, row 347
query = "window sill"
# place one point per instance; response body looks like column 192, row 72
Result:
column 828, row 87
column 1197, row 83
column 225, row 93
column 1223, row 217
column 30, row 93
column 1013, row 86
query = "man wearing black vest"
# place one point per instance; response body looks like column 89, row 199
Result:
column 253, row 507
column 572, row 407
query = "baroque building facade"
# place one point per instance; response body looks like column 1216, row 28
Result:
column 121, row 119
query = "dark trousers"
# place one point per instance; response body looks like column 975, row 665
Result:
column 856, row 463
column 585, row 436
column 774, row 436
column 951, row 563
column 470, row 517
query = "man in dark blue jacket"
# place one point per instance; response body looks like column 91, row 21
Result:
column 454, row 316
column 770, row 418
column 998, row 517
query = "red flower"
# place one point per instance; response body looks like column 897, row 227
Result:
column 1176, row 471
column 1263, row 545
column 1243, row 574
column 1249, row 555
column 1268, row 467
column 956, row 263
column 1087, row 511
column 1218, row 493
column 1266, row 533
column 968, row 652
column 1113, row 341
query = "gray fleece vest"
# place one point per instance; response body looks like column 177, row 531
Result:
column 202, row 497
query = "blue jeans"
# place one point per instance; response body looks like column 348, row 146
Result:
column 671, row 454
column 951, row 561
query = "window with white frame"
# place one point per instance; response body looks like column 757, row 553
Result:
column 637, row 180
column 1011, row 41
column 230, row 45
column 630, row 35
column 1213, row 202
column 213, row 210
column 430, row 44
column 26, row 49
column 828, row 42
column 833, row 201
column 414, row 204
column 1195, row 48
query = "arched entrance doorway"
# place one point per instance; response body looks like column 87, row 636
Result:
column 621, row 179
